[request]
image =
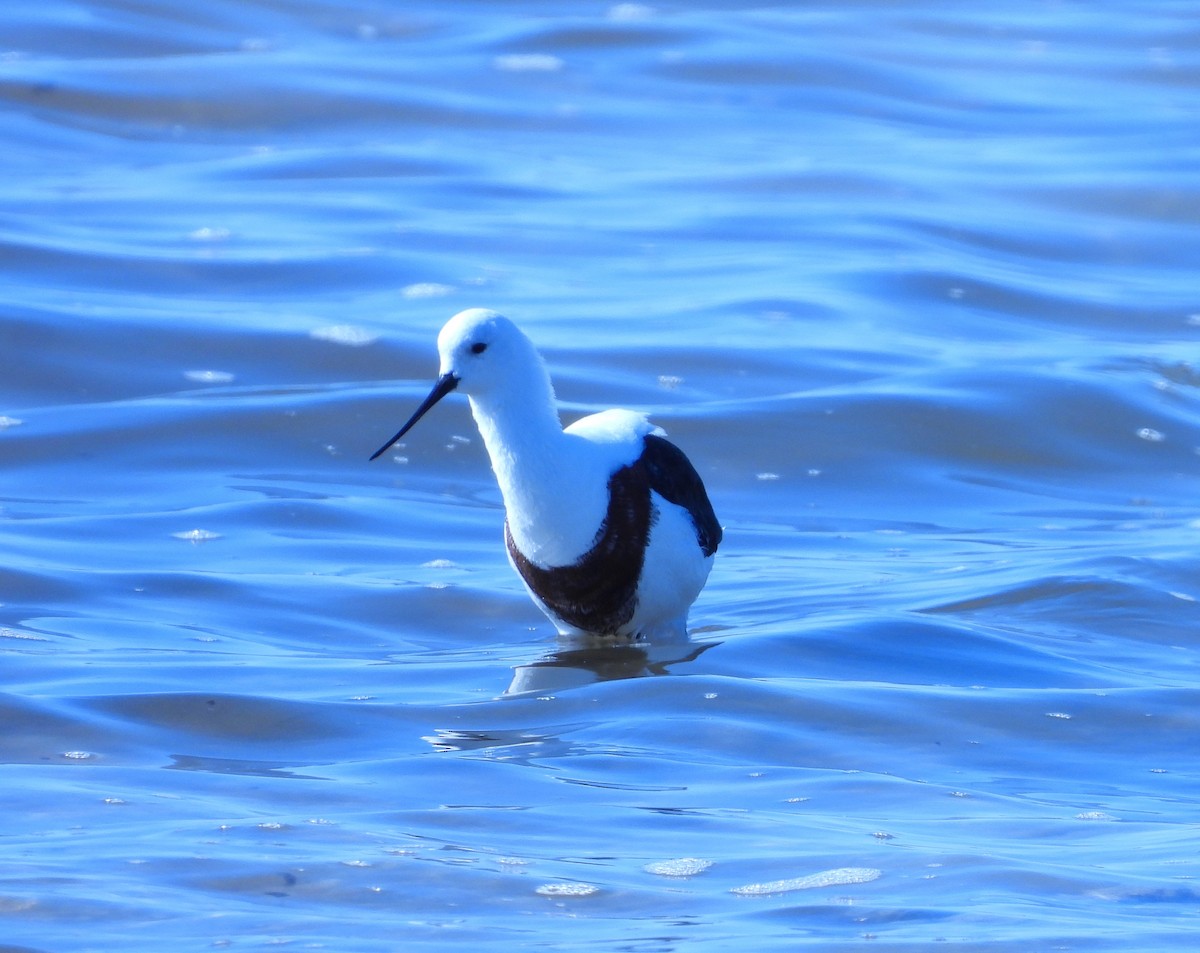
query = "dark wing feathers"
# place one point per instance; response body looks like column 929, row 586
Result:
column 598, row 592
column 674, row 478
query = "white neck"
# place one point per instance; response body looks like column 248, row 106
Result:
column 534, row 461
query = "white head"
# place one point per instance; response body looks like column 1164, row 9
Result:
column 487, row 354
column 493, row 362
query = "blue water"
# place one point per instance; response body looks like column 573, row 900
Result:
column 914, row 285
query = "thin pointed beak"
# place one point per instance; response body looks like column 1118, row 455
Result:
column 446, row 383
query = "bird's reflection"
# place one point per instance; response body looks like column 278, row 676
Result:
column 578, row 663
column 571, row 665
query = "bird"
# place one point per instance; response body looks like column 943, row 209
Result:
column 607, row 523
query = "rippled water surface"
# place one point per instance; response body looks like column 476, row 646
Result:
column 915, row 286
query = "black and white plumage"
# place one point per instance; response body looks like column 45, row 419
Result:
column 608, row 523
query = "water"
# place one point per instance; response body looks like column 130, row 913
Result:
column 914, row 286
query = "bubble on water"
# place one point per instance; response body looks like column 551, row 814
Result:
column 210, row 235
column 766, row 476
column 629, row 12
column 197, row 535
column 427, row 289
column 567, row 890
column 209, row 377
column 6, row 422
column 1094, row 816
column 348, row 334
column 78, row 755
column 680, row 867
column 440, row 564
column 1058, row 714
column 7, row 633
column 1151, row 435
column 528, row 63
column 838, row 877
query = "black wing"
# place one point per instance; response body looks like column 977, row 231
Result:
column 674, row 478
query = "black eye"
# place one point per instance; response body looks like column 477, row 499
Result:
column 478, row 347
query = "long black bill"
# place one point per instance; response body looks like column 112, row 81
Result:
column 446, row 383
